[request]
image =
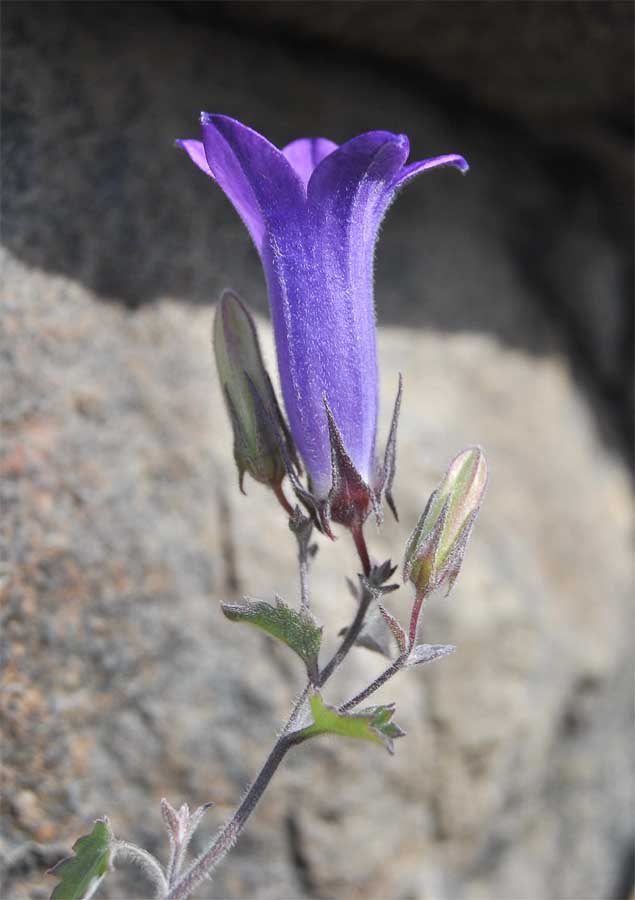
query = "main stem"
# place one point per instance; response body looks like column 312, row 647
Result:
column 230, row 832
column 228, row 836
column 352, row 633
column 391, row 670
column 303, row 565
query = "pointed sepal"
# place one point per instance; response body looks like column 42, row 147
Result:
column 395, row 627
column 350, row 498
column 390, row 454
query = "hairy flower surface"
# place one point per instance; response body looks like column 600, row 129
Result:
column 313, row 210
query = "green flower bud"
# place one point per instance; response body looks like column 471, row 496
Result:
column 261, row 436
column 435, row 549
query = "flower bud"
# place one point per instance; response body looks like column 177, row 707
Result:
column 260, row 433
column 435, row 549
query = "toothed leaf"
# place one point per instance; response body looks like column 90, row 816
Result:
column 372, row 724
column 81, row 874
column 297, row 630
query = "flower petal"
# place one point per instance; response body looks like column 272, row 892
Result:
column 257, row 178
column 306, row 153
column 415, row 168
column 321, row 292
column 196, row 153
column 363, row 163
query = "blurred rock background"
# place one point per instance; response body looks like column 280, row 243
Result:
column 504, row 298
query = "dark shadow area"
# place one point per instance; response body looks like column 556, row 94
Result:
column 534, row 246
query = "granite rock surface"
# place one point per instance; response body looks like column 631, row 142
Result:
column 123, row 527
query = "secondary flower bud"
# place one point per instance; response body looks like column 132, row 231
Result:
column 435, row 549
column 259, row 429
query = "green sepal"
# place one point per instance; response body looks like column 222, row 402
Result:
column 371, row 724
column 81, row 873
column 295, row 629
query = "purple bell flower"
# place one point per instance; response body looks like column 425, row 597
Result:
column 313, row 210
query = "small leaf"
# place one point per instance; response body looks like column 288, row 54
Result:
column 398, row 633
column 425, row 653
column 372, row 724
column 297, row 630
column 81, row 874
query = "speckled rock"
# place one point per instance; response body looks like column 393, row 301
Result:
column 123, row 682
column 123, row 528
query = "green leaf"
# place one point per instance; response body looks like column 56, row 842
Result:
column 81, row 874
column 297, row 630
column 372, row 724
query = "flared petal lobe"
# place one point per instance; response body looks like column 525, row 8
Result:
column 257, row 178
column 196, row 152
column 416, row 168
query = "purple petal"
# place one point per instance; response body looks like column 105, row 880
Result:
column 255, row 175
column 415, row 168
column 196, row 153
column 306, row 153
column 367, row 161
column 320, row 276
column 314, row 211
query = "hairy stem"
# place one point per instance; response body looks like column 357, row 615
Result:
column 284, row 503
column 172, row 869
column 362, row 549
column 414, row 618
column 146, row 861
column 352, row 633
column 302, row 528
column 304, row 582
column 303, row 565
column 176, row 862
column 392, row 669
column 228, row 836
column 211, row 857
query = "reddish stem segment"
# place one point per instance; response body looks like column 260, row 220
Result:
column 362, row 549
column 284, row 503
column 414, row 619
